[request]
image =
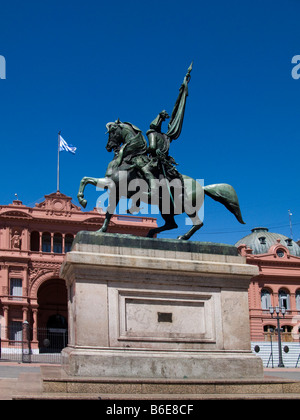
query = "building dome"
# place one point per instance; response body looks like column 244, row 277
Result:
column 261, row 240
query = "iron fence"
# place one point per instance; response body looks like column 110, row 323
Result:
column 18, row 342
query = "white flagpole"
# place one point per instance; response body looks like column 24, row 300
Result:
column 290, row 219
column 58, row 161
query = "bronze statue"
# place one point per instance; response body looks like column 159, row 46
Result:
column 154, row 171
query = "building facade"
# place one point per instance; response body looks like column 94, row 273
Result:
column 277, row 285
column 33, row 242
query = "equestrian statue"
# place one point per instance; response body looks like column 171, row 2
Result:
column 149, row 167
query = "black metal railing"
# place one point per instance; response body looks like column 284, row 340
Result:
column 18, row 342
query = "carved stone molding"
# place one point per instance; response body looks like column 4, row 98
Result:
column 39, row 269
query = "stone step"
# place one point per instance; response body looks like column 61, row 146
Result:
column 134, row 388
column 155, row 397
column 57, row 383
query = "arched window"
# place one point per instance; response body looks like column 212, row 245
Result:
column 269, row 331
column 265, row 299
column 284, row 299
column 298, row 300
column 46, row 242
column 68, row 242
column 35, row 241
column 287, row 333
column 57, row 243
column 280, row 253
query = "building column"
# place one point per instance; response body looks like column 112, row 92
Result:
column 25, row 314
column 5, row 278
column 63, row 243
column 5, row 310
column 25, row 282
column 275, row 299
column 52, row 241
column 41, row 242
column 293, row 307
column 34, row 314
column 25, row 243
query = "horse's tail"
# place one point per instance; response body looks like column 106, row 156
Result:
column 226, row 195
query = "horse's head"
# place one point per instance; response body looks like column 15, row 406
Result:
column 114, row 131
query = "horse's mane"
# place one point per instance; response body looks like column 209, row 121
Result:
column 132, row 127
column 137, row 144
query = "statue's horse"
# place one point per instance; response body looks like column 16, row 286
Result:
column 122, row 171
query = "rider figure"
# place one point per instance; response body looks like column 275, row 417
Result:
column 158, row 162
column 159, row 145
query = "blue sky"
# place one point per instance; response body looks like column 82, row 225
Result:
column 74, row 66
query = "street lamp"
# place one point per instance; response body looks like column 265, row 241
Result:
column 277, row 310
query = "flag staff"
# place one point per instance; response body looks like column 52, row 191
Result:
column 290, row 219
column 58, row 150
column 63, row 146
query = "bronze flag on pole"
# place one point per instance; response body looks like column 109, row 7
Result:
column 175, row 125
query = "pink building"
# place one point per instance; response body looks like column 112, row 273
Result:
column 278, row 284
column 33, row 242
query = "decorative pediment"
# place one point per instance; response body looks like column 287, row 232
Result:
column 277, row 255
column 17, row 214
column 58, row 204
column 280, row 255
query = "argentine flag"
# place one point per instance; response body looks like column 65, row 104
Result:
column 64, row 146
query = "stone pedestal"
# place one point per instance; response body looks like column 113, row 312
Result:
column 152, row 308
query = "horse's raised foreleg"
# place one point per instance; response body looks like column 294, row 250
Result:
column 97, row 182
column 83, row 183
